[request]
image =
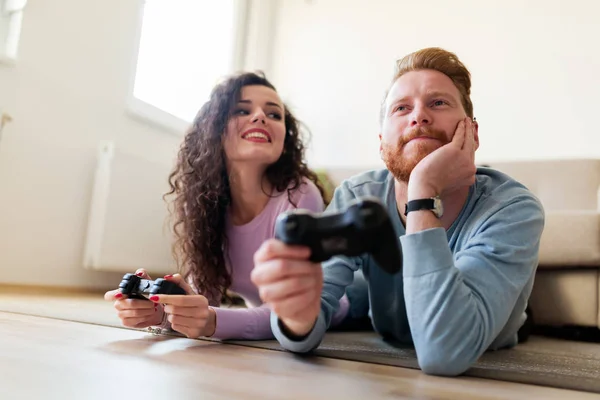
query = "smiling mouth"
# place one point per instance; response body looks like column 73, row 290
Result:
column 258, row 135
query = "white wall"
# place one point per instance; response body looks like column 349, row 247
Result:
column 331, row 60
column 66, row 93
column 534, row 66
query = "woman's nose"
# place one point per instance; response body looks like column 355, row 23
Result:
column 259, row 116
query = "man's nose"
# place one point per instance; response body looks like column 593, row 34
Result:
column 420, row 116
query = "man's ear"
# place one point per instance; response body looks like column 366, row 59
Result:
column 476, row 133
column 380, row 148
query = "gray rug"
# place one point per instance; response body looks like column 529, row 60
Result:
column 540, row 361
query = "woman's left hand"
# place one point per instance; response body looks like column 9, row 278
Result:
column 188, row 314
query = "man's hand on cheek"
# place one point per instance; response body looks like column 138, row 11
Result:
column 450, row 167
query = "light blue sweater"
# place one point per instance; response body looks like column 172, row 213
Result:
column 461, row 292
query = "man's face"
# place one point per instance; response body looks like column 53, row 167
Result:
column 422, row 110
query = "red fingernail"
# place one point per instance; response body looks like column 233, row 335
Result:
column 139, row 273
column 154, row 298
column 168, row 276
column 118, row 295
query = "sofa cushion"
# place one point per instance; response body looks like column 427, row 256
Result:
column 570, row 238
column 566, row 297
column 559, row 184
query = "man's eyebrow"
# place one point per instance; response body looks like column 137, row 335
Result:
column 440, row 93
column 269, row 103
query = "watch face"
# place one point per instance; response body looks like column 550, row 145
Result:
column 438, row 207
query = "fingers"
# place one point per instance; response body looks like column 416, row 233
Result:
column 135, row 322
column 142, row 273
column 192, row 312
column 181, row 300
column 187, row 322
column 280, row 269
column 280, row 290
column 459, row 134
column 178, row 279
column 133, row 304
column 113, row 295
column 293, row 307
column 139, row 318
column 136, row 313
column 470, row 144
column 274, row 248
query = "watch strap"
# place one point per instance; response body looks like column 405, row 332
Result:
column 419, row 204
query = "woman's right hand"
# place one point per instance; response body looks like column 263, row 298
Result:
column 135, row 313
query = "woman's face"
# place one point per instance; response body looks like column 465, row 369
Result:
column 256, row 131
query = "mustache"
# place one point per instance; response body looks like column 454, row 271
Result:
column 421, row 131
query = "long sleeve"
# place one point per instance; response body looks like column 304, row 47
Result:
column 338, row 273
column 253, row 323
column 457, row 306
column 243, row 323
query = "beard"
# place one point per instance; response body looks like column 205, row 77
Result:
column 401, row 166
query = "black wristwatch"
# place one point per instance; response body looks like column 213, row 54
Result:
column 433, row 203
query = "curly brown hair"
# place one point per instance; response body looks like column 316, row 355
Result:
column 200, row 185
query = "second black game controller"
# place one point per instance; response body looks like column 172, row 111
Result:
column 363, row 227
column 135, row 287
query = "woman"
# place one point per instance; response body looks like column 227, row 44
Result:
column 240, row 165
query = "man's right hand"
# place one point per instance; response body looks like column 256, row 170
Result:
column 289, row 284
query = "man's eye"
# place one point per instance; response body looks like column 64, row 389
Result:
column 439, row 103
column 401, row 108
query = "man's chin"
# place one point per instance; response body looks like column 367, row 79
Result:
column 401, row 167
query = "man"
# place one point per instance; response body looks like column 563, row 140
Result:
column 468, row 269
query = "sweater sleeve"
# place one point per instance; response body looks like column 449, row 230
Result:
column 243, row 323
column 309, row 197
column 338, row 273
column 457, row 305
column 254, row 323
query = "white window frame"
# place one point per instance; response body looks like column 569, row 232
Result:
column 11, row 17
column 148, row 113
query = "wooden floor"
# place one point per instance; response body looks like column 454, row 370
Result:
column 47, row 358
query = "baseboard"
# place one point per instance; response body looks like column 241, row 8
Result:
column 47, row 290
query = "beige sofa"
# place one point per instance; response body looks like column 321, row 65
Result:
column 567, row 286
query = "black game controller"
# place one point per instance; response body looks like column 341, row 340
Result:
column 135, row 287
column 363, row 227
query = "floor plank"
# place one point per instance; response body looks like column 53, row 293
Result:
column 54, row 359
column 47, row 358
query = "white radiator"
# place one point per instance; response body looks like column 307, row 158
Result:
column 127, row 226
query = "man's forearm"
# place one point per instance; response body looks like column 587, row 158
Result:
column 417, row 221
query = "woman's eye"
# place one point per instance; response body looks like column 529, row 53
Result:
column 276, row 116
column 241, row 112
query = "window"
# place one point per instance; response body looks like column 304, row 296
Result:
column 185, row 46
column 11, row 15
